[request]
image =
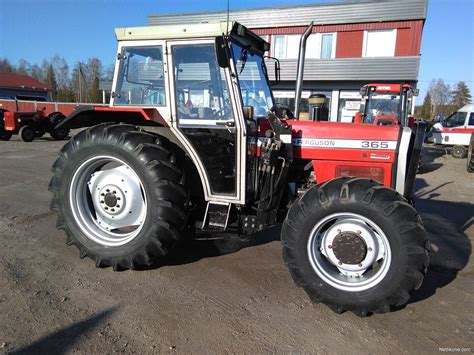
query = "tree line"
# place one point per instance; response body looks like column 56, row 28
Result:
column 77, row 84
column 442, row 99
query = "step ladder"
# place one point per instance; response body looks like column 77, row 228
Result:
column 216, row 216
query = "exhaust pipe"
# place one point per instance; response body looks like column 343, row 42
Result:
column 299, row 75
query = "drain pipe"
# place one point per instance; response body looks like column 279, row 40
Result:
column 299, row 75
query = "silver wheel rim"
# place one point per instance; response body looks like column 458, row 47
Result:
column 108, row 201
column 362, row 275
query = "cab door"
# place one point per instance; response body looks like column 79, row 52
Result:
column 204, row 117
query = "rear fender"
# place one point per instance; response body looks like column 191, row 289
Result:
column 87, row 116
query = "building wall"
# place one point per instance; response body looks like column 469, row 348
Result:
column 349, row 44
column 350, row 37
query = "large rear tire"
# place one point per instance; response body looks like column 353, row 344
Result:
column 120, row 195
column 355, row 245
column 60, row 133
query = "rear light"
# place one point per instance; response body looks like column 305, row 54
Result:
column 374, row 173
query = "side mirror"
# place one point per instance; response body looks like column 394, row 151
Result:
column 277, row 69
column 222, row 52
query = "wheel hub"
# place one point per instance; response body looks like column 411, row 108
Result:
column 349, row 251
column 349, row 248
column 110, row 199
column 117, row 197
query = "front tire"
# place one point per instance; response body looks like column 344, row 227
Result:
column 459, row 151
column 27, row 133
column 120, row 195
column 355, row 245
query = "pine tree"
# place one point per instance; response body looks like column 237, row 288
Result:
column 461, row 96
column 426, row 107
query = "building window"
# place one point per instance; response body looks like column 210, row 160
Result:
column 349, row 104
column 326, row 46
column 379, row 43
column 318, row 46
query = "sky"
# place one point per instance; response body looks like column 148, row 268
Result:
column 81, row 29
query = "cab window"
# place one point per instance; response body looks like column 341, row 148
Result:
column 201, row 88
column 471, row 119
column 141, row 79
column 456, row 119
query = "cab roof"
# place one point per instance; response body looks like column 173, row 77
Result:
column 173, row 31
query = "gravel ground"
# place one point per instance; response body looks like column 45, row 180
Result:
column 216, row 296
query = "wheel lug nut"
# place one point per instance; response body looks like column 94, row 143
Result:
column 338, row 231
column 340, row 263
column 359, row 232
column 118, row 198
column 101, row 201
column 329, row 246
column 370, row 249
column 118, row 206
column 360, row 265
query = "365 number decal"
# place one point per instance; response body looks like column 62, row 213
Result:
column 375, row 144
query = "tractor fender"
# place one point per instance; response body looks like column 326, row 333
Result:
column 87, row 116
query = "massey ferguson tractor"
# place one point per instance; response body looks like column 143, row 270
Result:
column 193, row 141
column 386, row 104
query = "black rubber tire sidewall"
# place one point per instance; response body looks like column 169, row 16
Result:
column 458, row 151
column 27, row 133
column 394, row 288
column 54, row 120
column 127, row 157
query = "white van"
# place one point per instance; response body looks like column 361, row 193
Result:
column 456, row 131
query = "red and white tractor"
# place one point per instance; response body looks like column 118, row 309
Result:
column 386, row 104
column 192, row 140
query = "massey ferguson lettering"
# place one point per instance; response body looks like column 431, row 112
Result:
column 310, row 142
column 344, row 143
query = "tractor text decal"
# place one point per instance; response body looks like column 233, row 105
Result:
column 344, row 143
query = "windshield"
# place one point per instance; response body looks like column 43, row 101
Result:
column 382, row 105
column 254, row 86
column 456, row 119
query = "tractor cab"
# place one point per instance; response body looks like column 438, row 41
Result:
column 386, row 104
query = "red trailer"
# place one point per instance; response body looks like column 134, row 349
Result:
column 32, row 117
